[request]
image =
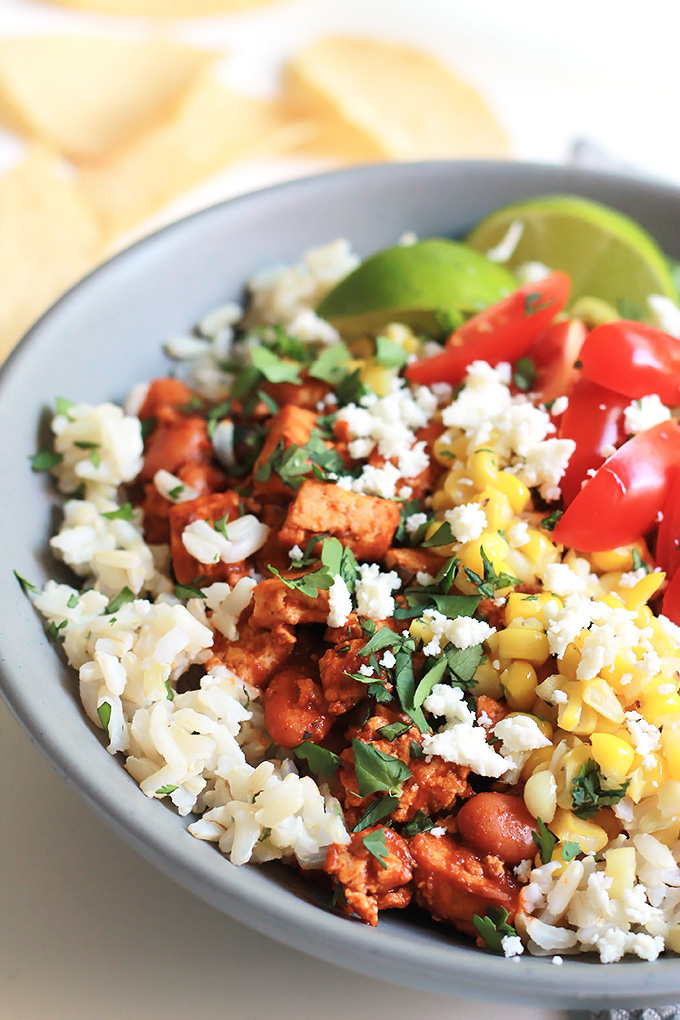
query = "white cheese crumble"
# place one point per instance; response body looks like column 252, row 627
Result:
column 374, row 591
column 644, row 413
column 414, row 522
column 512, row 945
column 518, row 535
column 339, row 603
column 460, row 741
column 666, row 313
column 388, row 660
column 559, row 406
column 463, row 631
column 467, row 521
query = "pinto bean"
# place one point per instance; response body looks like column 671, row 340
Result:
column 295, row 709
column 499, row 824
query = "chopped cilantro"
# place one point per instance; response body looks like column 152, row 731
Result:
column 124, row 596
column 53, row 629
column 442, row 536
column 268, row 401
column 407, row 509
column 389, row 353
column 463, row 663
column 376, row 844
column 194, row 403
column 638, row 562
column 416, row 750
column 332, row 364
column 377, row 771
column 45, row 460
column 26, row 586
column 550, row 522
column 104, row 713
column 169, row 691
column 419, row 823
column 588, row 795
column 524, row 375
column 95, row 459
column 73, row 601
column 320, row 761
column 533, row 303
column 378, row 810
column 147, row 425
column 544, row 840
column 64, row 406
column 570, row 849
column 176, row 492
column 494, row 927
column 221, row 526
column 336, row 559
column 379, row 693
column 266, row 833
column 432, row 677
column 393, row 730
column 84, row 444
column 274, row 368
column 168, row 788
column 491, row 581
column 188, row 591
column 123, row 513
column 351, row 389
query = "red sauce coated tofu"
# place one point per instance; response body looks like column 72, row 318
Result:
column 176, row 442
column 256, row 656
column 369, row 886
column 366, row 524
column 291, row 425
column 295, row 709
column 408, row 562
column 341, row 690
column 274, row 603
column 208, row 508
column 454, row 883
column 164, row 393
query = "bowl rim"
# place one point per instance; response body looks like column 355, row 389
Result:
column 276, row 911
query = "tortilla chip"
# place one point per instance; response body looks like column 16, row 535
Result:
column 212, row 127
column 392, row 102
column 162, row 8
column 86, row 95
column 50, row 237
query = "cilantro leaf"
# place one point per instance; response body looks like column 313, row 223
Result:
column 416, row 750
column 588, row 794
column 393, row 730
column 64, row 406
column 26, row 586
column 104, row 713
column 432, row 677
column 406, row 510
column 442, row 536
column 322, row 762
column 534, row 302
column 494, row 927
column 351, row 389
column 45, row 460
column 376, row 844
column 123, row 513
column 491, row 581
column 638, row 562
column 124, row 596
column 168, row 788
column 524, row 375
column 570, row 849
column 463, row 663
column 274, row 368
column 419, row 823
column 170, row 694
column 421, row 598
column 188, row 591
column 389, row 353
column 73, row 601
column 383, row 637
column 550, row 522
column 378, row 810
column 376, row 771
column 544, row 840
column 332, row 364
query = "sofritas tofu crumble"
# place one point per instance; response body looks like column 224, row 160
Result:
column 404, row 679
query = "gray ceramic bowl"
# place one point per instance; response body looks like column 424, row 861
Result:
column 105, row 335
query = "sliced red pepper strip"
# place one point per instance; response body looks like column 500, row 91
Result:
column 621, row 502
column 503, row 332
column 594, row 420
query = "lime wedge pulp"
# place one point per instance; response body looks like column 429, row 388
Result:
column 606, row 254
column 422, row 285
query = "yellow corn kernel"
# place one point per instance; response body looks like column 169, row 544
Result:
column 598, row 694
column 487, row 679
column 620, row 558
column 569, row 711
column 420, row 630
column 645, row 782
column 568, row 827
column 641, row 592
column 620, row 867
column 589, row 721
column 378, row 377
column 446, row 449
column 515, row 490
column 441, row 500
column 521, row 606
column 625, row 679
column 537, row 761
column 524, row 643
column 519, row 683
column 613, row 755
column 538, row 547
column 655, row 707
column 482, row 467
column 546, row 713
column 458, row 486
column 612, row 600
column 670, row 741
column 540, row 795
column 402, row 335
column 669, row 834
column 497, row 509
column 571, row 660
column 446, row 550
column 673, row 939
column 495, row 548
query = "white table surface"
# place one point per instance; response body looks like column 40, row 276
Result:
column 89, row 930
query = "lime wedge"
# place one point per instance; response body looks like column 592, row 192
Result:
column 606, row 254
column 430, row 286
